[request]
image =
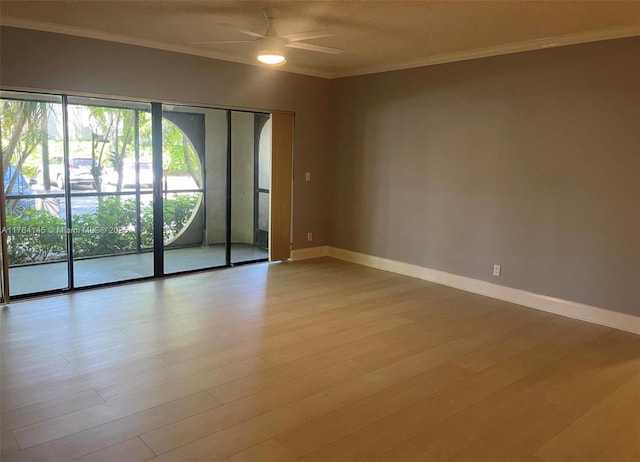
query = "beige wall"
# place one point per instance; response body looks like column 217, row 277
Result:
column 530, row 160
column 44, row 61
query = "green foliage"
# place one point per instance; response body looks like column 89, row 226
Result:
column 29, row 171
column 179, row 156
column 176, row 213
column 116, row 127
column 146, row 223
column 35, row 237
column 38, row 236
column 111, row 230
column 21, row 131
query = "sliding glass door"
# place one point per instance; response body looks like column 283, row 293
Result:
column 92, row 196
column 36, row 232
column 216, row 174
column 193, row 188
column 109, row 180
column 250, row 182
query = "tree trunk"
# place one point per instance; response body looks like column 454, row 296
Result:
column 46, row 180
column 187, row 160
column 16, row 131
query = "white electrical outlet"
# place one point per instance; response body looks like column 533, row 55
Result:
column 309, row 236
column 307, row 176
column 496, row 270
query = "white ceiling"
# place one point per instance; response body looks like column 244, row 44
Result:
column 375, row 35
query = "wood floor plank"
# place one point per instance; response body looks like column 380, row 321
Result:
column 268, row 451
column 626, row 448
column 486, row 356
column 168, row 374
column 48, row 366
column 489, row 414
column 379, row 379
column 327, row 429
column 132, row 450
column 310, row 384
column 318, row 359
column 433, row 335
column 340, row 338
column 190, row 430
column 81, row 381
column 130, row 404
column 17, row 335
column 297, row 368
column 598, row 429
column 8, row 443
column 485, row 383
column 280, row 343
column 94, row 439
column 49, row 409
column 532, row 458
column 406, row 452
column 56, row 344
column 228, row 442
column 375, row 439
column 562, row 404
column 514, row 441
column 193, row 428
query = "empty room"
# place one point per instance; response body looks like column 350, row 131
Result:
column 320, row 231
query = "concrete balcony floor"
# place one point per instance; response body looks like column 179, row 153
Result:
column 43, row 277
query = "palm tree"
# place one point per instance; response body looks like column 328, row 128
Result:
column 21, row 131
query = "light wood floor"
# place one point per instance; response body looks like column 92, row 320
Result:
column 318, row 361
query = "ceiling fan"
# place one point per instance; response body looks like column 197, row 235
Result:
column 271, row 45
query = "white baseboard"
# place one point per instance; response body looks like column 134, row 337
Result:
column 311, row 252
column 559, row 306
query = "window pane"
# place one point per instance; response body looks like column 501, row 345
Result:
column 194, row 207
column 250, row 179
column 110, row 177
column 31, row 130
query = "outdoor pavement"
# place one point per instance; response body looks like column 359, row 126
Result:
column 91, row 271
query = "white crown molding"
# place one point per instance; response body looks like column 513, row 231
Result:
column 21, row 23
column 516, row 47
column 592, row 314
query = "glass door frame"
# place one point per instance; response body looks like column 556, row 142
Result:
column 259, row 121
column 136, row 108
column 157, row 194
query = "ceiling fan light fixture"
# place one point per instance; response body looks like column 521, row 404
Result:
column 272, row 58
column 271, row 51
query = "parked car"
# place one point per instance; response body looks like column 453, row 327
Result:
column 20, row 188
column 129, row 174
column 79, row 172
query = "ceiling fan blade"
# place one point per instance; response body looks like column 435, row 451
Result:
column 307, row 35
column 310, row 47
column 242, row 31
column 213, row 42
